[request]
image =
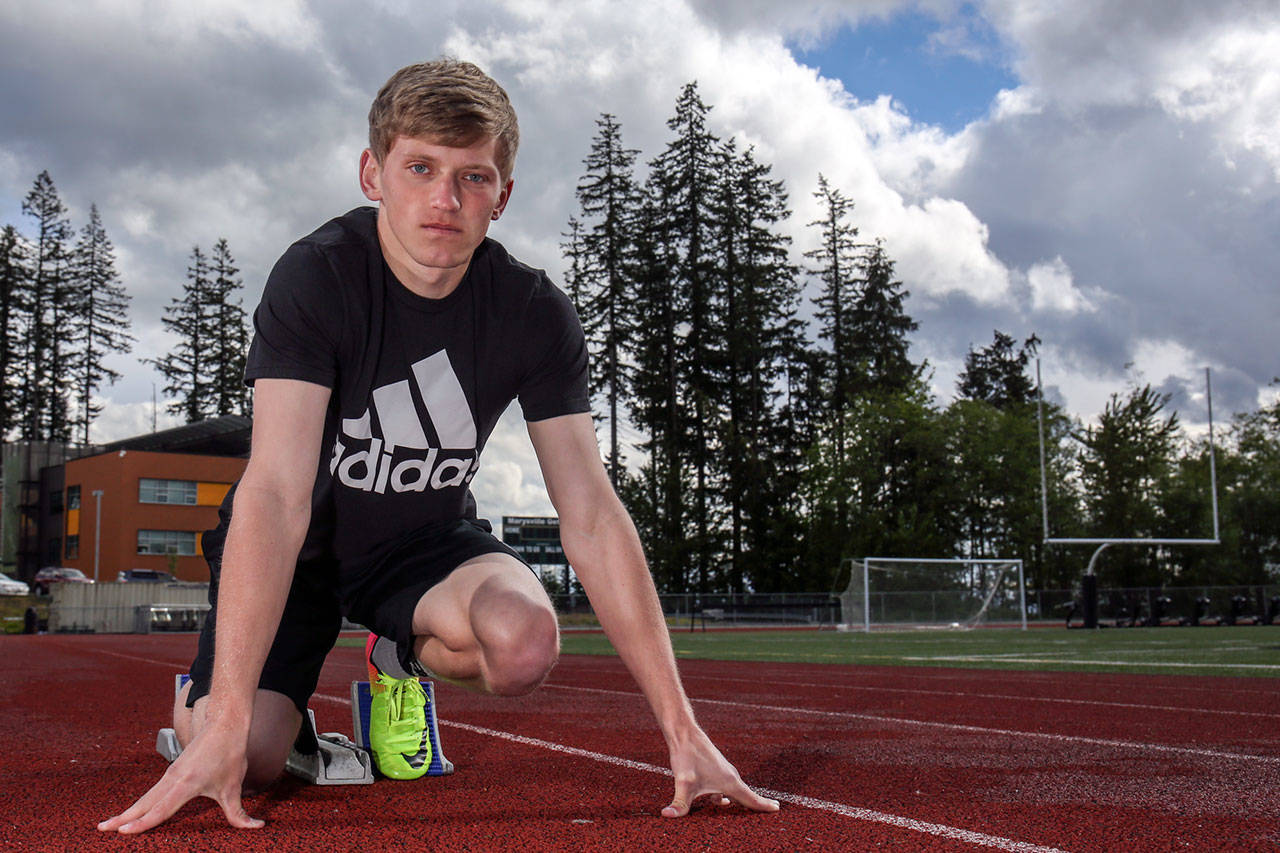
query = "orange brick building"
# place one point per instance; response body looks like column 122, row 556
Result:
column 159, row 492
column 154, row 506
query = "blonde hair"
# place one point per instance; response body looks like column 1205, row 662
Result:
column 449, row 100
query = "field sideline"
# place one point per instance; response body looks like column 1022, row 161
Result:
column 1248, row 651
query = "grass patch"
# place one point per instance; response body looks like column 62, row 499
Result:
column 14, row 607
column 1241, row 651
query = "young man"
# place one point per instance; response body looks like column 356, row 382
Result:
column 387, row 345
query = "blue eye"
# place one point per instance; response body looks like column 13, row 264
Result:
column 418, row 169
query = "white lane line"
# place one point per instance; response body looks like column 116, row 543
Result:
column 958, row 727
column 1176, row 664
column 936, row 829
column 183, row 667
column 1010, row 697
column 1119, row 744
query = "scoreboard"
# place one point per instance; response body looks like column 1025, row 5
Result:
column 536, row 539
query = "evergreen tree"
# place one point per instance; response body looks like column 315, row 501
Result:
column 609, row 197
column 1124, row 463
column 682, row 181
column 228, row 334
column 758, row 455
column 1253, row 496
column 837, row 259
column 878, row 326
column 993, row 430
column 100, row 323
column 878, row 479
column 575, row 279
column 997, row 374
column 657, row 501
column 42, row 396
column 15, row 288
column 189, row 378
column 893, row 483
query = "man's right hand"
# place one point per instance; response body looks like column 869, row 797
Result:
column 213, row 765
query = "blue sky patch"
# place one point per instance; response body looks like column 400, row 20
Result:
column 942, row 72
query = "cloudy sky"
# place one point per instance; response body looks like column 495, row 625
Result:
column 1103, row 173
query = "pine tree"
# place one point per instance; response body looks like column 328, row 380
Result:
column 997, row 374
column 878, row 325
column 609, row 198
column 1253, row 505
column 15, row 287
column 228, row 334
column 683, row 178
column 100, row 322
column 189, row 378
column 42, row 398
column 837, row 259
column 1124, row 463
column 757, row 455
column 575, row 278
column 657, row 501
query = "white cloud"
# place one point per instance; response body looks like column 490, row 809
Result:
column 509, row 481
column 1199, row 61
column 125, row 420
column 1052, row 289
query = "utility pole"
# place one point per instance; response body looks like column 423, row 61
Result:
column 97, row 534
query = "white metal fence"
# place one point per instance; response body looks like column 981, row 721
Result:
column 127, row 608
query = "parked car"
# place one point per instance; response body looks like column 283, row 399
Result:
column 144, row 576
column 53, row 574
column 9, row 586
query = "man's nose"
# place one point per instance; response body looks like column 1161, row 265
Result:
column 444, row 194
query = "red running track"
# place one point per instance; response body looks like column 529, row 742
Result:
column 863, row 757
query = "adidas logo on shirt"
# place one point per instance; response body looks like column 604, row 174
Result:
column 392, row 424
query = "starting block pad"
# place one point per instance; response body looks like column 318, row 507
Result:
column 361, row 702
column 321, row 759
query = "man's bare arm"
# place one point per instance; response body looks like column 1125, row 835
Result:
column 269, row 521
column 602, row 545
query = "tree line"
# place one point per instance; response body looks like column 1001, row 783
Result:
column 770, row 448
column 64, row 310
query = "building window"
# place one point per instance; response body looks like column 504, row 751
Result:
column 73, row 547
column 151, row 491
column 73, row 497
column 180, row 542
column 52, row 550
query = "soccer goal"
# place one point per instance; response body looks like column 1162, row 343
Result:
column 900, row 593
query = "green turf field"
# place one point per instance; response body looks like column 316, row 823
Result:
column 1239, row 651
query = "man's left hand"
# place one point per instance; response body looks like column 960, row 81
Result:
column 701, row 770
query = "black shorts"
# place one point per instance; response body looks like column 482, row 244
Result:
column 381, row 597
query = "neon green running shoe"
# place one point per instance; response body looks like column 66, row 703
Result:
column 398, row 736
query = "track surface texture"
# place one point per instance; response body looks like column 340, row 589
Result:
column 863, row 758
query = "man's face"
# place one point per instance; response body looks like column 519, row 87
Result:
column 437, row 203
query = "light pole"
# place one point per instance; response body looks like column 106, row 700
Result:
column 97, row 533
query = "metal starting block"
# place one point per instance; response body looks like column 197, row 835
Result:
column 335, row 760
column 321, row 759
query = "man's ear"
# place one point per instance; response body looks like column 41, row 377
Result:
column 370, row 176
column 503, row 198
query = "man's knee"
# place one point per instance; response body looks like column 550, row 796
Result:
column 519, row 639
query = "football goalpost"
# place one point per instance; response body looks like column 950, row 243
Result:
column 901, row 593
column 1089, row 581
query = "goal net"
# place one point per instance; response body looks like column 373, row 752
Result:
column 899, row 593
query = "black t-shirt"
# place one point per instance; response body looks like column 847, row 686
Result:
column 418, row 384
